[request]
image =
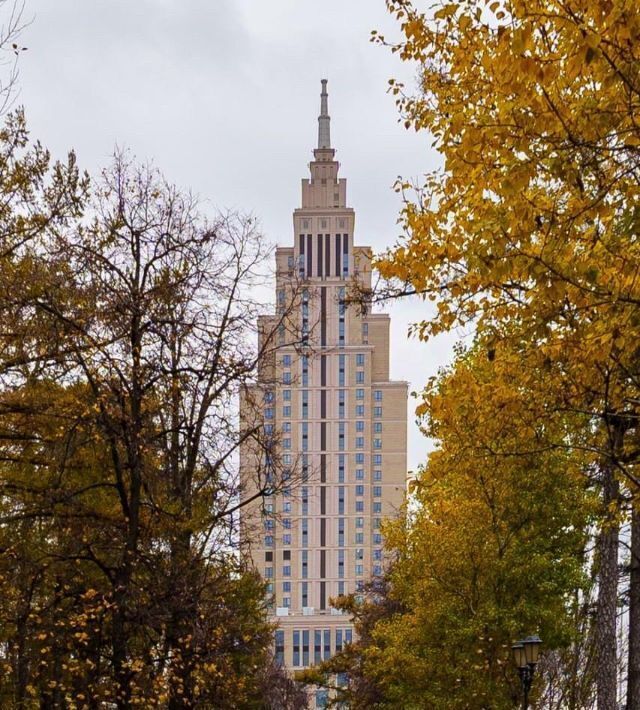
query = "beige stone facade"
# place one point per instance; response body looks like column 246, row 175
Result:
column 340, row 422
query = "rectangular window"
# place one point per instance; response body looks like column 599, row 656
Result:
column 341, row 468
column 360, row 359
column 286, row 378
column 340, row 500
column 377, row 395
column 268, row 396
column 305, row 404
column 341, row 563
column 305, row 436
column 268, row 540
column 377, row 522
column 377, row 443
column 286, row 359
column 268, row 572
column 377, row 459
column 360, row 425
column 317, row 646
column 359, row 474
column 377, row 491
column 377, row 554
column 279, row 647
column 305, row 648
column 359, row 538
column 304, row 593
column 359, row 522
column 268, row 413
column 296, row 648
column 340, row 532
column 377, row 539
column 359, row 570
column 340, row 589
column 360, row 377
column 286, row 571
column 286, row 587
column 360, row 490
column 341, row 404
column 377, row 427
column 359, row 506
column 286, row 395
column 305, row 532
column 286, row 523
column 338, row 640
column 377, row 507
column 359, row 442
column 359, row 410
column 286, row 411
column 360, row 393
column 359, row 458
column 377, row 475
column 377, row 412
column 286, row 443
column 305, row 564
column 341, row 435
column 286, row 539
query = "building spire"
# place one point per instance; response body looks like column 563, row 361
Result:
column 324, row 121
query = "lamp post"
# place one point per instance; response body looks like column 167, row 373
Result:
column 525, row 655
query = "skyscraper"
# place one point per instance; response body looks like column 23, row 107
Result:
column 340, row 423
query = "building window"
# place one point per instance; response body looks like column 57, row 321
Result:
column 359, row 393
column 377, row 475
column 360, row 359
column 359, row 458
column 286, row 443
column 341, row 404
column 377, row 507
column 286, row 523
column 286, row 359
column 341, row 428
column 360, row 377
column 377, row 459
column 305, row 648
column 341, row 563
column 340, row 500
column 359, row 538
column 286, row 427
column 286, row 539
column 305, row 532
column 268, row 413
column 341, row 468
column 304, row 572
column 359, row 474
column 286, row 571
column 286, row 411
column 377, row 427
column 286, row 587
column 377, row 443
column 340, row 532
column 305, row 436
column 268, row 540
column 377, row 522
column 359, row 553
column 290, row 262
column 286, row 378
column 304, row 593
column 305, row 500
column 305, row 404
column 286, row 601
column 359, row 410
column 377, row 539
column 365, row 330
column 360, row 425
column 359, row 570
column 359, row 442
column 359, row 522
column 279, row 647
column 341, row 370
column 296, row 648
column 286, row 395
column 268, row 572
column 359, row 490
column 377, row 412
column 359, row 506
column 377, row 554
column 377, row 395
column 377, row 491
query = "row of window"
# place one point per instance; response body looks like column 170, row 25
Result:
column 323, row 644
column 376, row 537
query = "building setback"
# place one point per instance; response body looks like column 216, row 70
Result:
column 340, row 424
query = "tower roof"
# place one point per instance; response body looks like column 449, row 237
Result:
column 324, row 121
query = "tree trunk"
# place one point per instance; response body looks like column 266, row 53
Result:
column 633, row 676
column 606, row 667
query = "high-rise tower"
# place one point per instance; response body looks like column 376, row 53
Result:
column 340, row 423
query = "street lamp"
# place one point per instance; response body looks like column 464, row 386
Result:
column 525, row 655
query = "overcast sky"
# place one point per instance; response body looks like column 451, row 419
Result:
column 223, row 97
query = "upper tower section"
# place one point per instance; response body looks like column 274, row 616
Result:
column 324, row 190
